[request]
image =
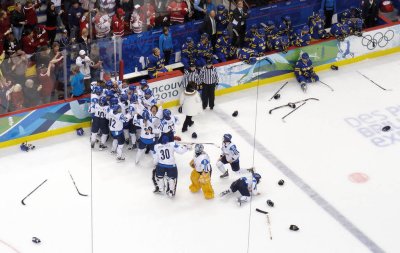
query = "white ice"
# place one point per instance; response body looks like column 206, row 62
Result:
column 122, row 214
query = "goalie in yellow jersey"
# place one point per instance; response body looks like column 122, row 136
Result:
column 201, row 174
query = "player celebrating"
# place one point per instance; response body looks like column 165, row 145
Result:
column 117, row 120
column 201, row 173
column 147, row 134
column 230, row 155
column 167, row 125
column 247, row 187
column 163, row 155
column 100, row 122
column 304, row 71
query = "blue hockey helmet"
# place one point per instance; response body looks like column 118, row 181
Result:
column 305, row 28
column 287, row 18
column 114, row 101
column 261, row 32
column 227, row 137
column 110, row 93
column 143, row 82
column 164, row 139
column 109, row 84
column 134, row 98
column 80, row 132
column 95, row 100
column 270, row 23
column 252, row 60
column 305, row 56
column 103, row 101
column 253, row 27
column 132, row 87
column 123, row 97
column 148, row 93
column 204, row 36
column 189, row 40
column 257, row 177
column 116, row 108
column 98, row 90
column 167, row 114
column 146, row 115
column 220, row 7
column 225, row 33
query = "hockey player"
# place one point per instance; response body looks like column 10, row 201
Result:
column 285, row 27
column 303, row 37
column 281, row 43
column 188, row 53
column 164, row 158
column 100, row 122
column 246, row 186
column 317, row 30
column 221, row 19
column 230, row 155
column 167, row 125
column 340, row 31
column 148, row 100
column 304, row 71
column 246, row 55
column 204, row 51
column 135, row 108
column 143, row 86
column 250, row 36
column 271, row 33
column 147, row 134
column 223, row 48
column 116, row 122
column 201, row 173
column 156, row 63
column 259, row 42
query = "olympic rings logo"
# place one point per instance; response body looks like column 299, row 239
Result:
column 378, row 40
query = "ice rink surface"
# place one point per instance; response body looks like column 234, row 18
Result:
column 341, row 174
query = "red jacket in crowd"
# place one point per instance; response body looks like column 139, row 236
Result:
column 30, row 14
column 41, row 36
column 148, row 15
column 47, row 84
column 177, row 11
column 17, row 100
column 118, row 25
column 29, row 44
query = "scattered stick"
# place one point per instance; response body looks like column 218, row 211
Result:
column 194, row 143
column 278, row 91
column 283, row 118
column 85, row 195
column 327, row 85
column 373, row 81
column 22, row 201
column 292, row 104
column 268, row 221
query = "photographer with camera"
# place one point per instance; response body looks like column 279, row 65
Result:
column 84, row 63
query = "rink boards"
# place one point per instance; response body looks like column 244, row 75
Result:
column 64, row 116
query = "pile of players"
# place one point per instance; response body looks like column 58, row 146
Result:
column 130, row 115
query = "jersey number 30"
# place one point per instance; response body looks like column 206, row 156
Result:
column 164, row 154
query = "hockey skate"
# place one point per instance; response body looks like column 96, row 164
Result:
column 158, row 191
column 251, row 170
column 102, row 147
column 170, row 194
column 132, row 147
column 224, row 193
column 304, row 87
column 226, row 174
column 120, row 159
column 92, row 144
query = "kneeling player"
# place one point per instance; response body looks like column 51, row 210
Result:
column 304, row 71
column 246, row 186
column 147, row 134
column 201, row 173
column 164, row 158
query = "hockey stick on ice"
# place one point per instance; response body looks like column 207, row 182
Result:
column 327, row 85
column 268, row 221
column 373, row 82
column 22, row 201
column 292, row 104
column 283, row 118
column 194, row 143
column 278, row 91
column 85, row 195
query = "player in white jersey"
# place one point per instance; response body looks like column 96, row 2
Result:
column 135, row 108
column 201, row 173
column 147, row 134
column 100, row 122
column 96, row 93
column 164, row 158
column 117, row 120
column 246, row 186
column 124, row 103
column 230, row 155
column 143, row 86
column 167, row 125
column 148, row 100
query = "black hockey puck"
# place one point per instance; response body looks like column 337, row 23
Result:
column 235, row 113
column 35, row 240
column 281, row 182
column 334, row 67
column 386, row 128
column 294, row 227
column 194, row 135
column 292, row 105
column 270, row 203
column 277, row 96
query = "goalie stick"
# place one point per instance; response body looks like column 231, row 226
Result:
column 278, row 91
column 22, row 201
column 292, row 104
column 268, row 221
column 85, row 195
column 373, row 81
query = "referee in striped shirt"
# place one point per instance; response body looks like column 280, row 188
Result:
column 209, row 79
column 191, row 75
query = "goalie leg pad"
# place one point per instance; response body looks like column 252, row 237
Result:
column 206, row 186
column 194, row 177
